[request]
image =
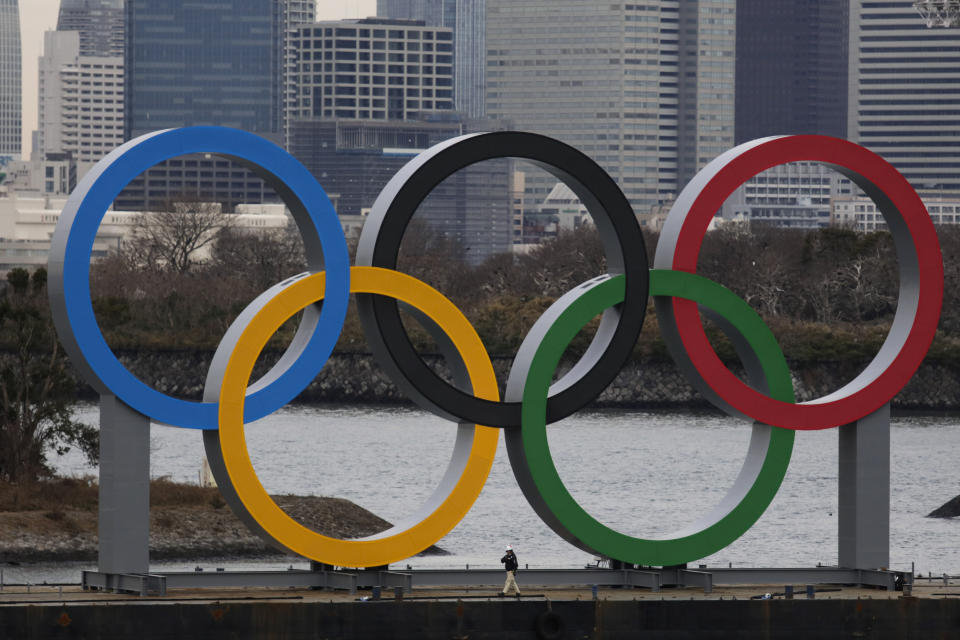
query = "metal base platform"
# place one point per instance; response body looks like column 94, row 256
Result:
column 653, row 578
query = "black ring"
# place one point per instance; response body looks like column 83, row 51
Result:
column 620, row 235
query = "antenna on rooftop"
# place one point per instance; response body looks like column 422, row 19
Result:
column 939, row 13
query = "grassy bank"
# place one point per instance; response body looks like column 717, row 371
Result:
column 56, row 520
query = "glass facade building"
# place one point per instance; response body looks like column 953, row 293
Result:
column 296, row 14
column 204, row 63
column 354, row 160
column 904, row 92
column 99, row 22
column 10, row 70
column 706, row 89
column 791, row 68
column 467, row 19
column 227, row 63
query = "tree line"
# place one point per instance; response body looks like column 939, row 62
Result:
column 827, row 294
column 825, row 291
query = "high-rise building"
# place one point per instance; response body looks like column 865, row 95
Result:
column 80, row 101
column 10, row 100
column 372, row 94
column 296, row 14
column 374, row 68
column 467, row 20
column 354, row 160
column 791, row 78
column 791, row 68
column 205, row 63
column 904, row 92
column 226, row 63
column 99, row 23
column 706, row 47
column 646, row 90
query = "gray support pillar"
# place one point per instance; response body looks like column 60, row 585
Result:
column 864, row 504
column 124, row 527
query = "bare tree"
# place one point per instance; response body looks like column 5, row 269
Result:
column 171, row 240
column 263, row 258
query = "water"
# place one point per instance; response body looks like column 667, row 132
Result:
column 642, row 473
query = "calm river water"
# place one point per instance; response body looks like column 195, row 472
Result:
column 640, row 472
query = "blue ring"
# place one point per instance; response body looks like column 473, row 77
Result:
column 72, row 246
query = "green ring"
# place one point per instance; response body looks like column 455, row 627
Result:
column 574, row 523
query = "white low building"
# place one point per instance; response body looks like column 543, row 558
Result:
column 27, row 225
column 862, row 214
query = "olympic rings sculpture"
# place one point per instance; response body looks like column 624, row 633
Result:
column 532, row 399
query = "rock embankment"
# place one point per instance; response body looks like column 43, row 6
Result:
column 192, row 531
column 655, row 384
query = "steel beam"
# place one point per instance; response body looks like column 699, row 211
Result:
column 813, row 575
column 864, row 492
column 142, row 584
column 295, row 578
column 703, row 579
column 541, row 577
column 651, row 578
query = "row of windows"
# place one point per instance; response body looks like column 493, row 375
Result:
column 911, row 123
column 949, row 49
column 365, row 103
column 398, row 69
column 904, row 76
column 377, row 57
column 443, row 81
column 918, row 112
column 397, row 114
column 926, row 37
column 379, row 91
column 329, row 32
column 775, row 180
column 915, row 102
column 320, row 45
column 910, row 60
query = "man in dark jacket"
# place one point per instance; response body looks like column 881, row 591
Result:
column 510, row 564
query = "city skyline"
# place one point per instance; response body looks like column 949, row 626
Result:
column 693, row 50
column 651, row 100
column 41, row 16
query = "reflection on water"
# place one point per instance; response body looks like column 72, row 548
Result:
column 642, row 473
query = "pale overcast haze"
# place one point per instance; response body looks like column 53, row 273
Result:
column 37, row 16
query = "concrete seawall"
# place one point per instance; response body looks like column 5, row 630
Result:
column 902, row 618
column 652, row 384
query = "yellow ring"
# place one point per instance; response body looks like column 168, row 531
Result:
column 283, row 528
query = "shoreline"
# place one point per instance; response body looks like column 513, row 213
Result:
column 187, row 522
column 645, row 384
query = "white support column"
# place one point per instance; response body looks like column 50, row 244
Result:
column 124, row 518
column 864, row 500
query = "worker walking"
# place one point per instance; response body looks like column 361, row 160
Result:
column 511, row 564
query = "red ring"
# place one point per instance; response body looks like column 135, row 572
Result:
column 867, row 395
